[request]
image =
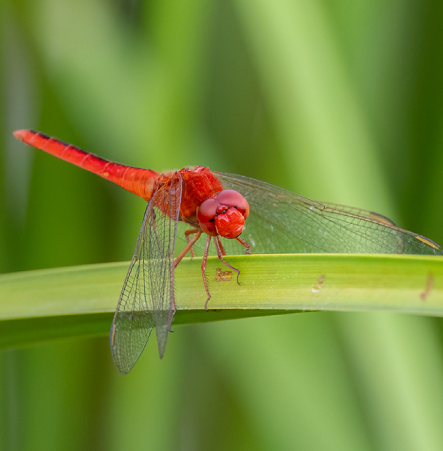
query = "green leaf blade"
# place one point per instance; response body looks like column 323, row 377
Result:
column 80, row 301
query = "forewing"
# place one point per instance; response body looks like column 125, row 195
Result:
column 163, row 234
column 283, row 222
column 147, row 297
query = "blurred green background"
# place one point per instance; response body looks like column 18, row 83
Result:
column 337, row 100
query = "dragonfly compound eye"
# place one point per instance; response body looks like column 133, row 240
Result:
column 232, row 198
column 206, row 216
column 225, row 215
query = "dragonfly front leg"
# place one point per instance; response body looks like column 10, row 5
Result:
column 245, row 244
column 220, row 245
column 205, row 259
column 220, row 256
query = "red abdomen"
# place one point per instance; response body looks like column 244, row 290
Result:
column 138, row 181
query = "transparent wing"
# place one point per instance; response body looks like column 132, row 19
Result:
column 147, row 297
column 283, row 222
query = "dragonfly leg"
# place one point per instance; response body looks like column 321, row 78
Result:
column 187, row 233
column 205, row 259
column 220, row 256
column 187, row 248
column 222, row 249
column 245, row 244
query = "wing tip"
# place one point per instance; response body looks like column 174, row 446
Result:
column 428, row 242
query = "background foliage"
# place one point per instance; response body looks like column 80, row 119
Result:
column 336, row 100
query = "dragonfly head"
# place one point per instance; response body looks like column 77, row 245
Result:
column 224, row 215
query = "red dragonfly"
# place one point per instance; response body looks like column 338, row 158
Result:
column 222, row 207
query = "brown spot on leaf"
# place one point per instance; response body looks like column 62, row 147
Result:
column 223, row 276
column 428, row 288
column 319, row 286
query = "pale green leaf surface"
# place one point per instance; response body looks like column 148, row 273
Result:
column 76, row 301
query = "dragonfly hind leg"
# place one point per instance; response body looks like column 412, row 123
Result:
column 187, row 248
column 188, row 239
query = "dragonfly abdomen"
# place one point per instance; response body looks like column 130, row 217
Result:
column 139, row 181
